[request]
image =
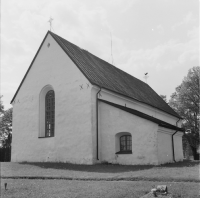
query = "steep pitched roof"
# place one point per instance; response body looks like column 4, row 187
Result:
column 107, row 76
column 143, row 115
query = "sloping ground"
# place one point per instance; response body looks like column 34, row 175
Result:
column 187, row 171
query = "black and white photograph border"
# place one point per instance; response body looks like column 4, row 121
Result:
column 99, row 98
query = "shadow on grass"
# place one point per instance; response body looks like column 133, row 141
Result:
column 100, row 168
column 108, row 168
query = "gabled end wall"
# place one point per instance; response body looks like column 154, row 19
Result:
column 72, row 142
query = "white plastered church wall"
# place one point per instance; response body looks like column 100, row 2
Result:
column 159, row 138
column 178, row 146
column 165, row 148
column 139, row 106
column 144, row 136
column 73, row 139
column 165, row 152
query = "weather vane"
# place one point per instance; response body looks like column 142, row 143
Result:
column 50, row 22
column 146, row 76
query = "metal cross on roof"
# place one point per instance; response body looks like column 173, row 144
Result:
column 50, row 22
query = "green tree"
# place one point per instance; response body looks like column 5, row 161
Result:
column 1, row 106
column 6, row 135
column 6, row 123
column 185, row 101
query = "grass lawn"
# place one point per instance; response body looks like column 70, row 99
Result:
column 23, row 188
column 48, row 180
column 186, row 171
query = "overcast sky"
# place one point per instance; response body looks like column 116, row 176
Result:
column 160, row 37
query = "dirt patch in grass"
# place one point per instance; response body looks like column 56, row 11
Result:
column 61, row 188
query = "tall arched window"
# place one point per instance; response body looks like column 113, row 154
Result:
column 49, row 113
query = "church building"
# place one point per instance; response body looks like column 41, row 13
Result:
column 74, row 107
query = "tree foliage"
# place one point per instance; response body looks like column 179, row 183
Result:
column 5, row 133
column 6, row 122
column 1, row 106
column 185, row 101
column 5, row 125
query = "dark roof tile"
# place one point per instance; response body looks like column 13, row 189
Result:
column 105, row 75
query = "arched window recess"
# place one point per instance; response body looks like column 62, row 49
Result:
column 47, row 112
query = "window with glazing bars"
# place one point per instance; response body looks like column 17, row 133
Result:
column 49, row 113
column 125, row 143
